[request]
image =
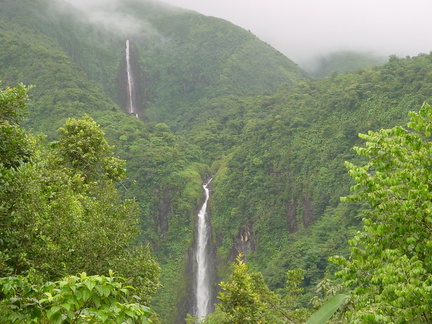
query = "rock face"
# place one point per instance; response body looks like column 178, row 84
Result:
column 243, row 241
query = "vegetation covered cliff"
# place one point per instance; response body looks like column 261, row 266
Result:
column 213, row 100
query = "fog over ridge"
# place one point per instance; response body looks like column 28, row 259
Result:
column 305, row 29
column 107, row 13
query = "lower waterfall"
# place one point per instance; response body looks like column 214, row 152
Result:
column 203, row 291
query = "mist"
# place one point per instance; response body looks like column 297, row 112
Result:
column 304, row 30
column 106, row 13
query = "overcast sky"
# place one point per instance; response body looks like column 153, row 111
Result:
column 303, row 29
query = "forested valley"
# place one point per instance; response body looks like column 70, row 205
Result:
column 320, row 199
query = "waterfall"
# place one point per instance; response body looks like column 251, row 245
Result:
column 202, row 251
column 130, row 83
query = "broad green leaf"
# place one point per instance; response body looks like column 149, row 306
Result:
column 6, row 288
column 104, row 291
column 53, row 313
column 103, row 317
column 86, row 294
column 66, row 306
column 322, row 315
column 50, row 297
column 96, row 300
column 90, row 284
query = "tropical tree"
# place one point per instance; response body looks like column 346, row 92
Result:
column 16, row 151
column 60, row 212
column 390, row 267
column 83, row 149
column 242, row 298
column 14, row 143
column 245, row 298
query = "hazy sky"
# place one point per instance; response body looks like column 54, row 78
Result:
column 303, row 29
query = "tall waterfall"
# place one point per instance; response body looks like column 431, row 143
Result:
column 202, row 251
column 130, row 83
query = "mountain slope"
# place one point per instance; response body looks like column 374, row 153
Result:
column 179, row 57
column 280, row 185
column 78, row 67
column 193, row 57
column 157, row 163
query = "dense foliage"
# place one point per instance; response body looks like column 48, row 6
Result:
column 213, row 100
column 247, row 299
column 56, row 48
column 60, row 214
column 82, row 299
column 280, row 184
column 390, row 265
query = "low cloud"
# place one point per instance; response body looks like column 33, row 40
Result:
column 107, row 13
column 305, row 29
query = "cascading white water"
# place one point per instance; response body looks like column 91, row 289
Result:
column 130, row 84
column 203, row 284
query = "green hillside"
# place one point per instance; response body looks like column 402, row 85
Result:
column 157, row 163
column 77, row 67
column 216, row 101
column 287, row 173
column 179, row 57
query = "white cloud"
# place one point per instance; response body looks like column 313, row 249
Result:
column 302, row 29
column 106, row 13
